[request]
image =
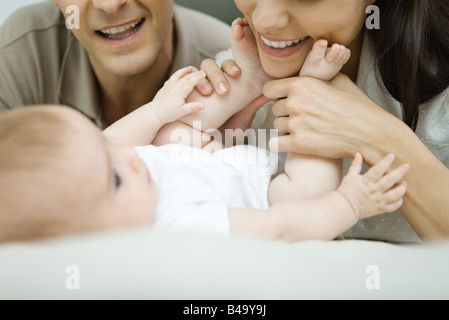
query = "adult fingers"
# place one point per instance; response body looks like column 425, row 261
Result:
column 280, row 109
column 282, row 124
column 277, row 89
column 282, row 144
column 216, row 76
column 230, row 68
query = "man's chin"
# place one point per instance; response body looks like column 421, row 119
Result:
column 126, row 66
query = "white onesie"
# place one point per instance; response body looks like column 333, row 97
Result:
column 197, row 187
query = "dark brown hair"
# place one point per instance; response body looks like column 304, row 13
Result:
column 412, row 51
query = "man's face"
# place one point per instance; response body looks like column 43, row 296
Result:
column 123, row 37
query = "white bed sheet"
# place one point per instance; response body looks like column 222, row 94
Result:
column 139, row 264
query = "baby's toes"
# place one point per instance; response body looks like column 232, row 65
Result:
column 319, row 51
column 343, row 56
column 337, row 54
column 333, row 53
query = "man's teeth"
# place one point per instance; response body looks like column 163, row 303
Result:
column 281, row 44
column 113, row 32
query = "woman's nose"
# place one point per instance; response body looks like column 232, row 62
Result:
column 109, row 6
column 269, row 15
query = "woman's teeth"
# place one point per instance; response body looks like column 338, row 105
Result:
column 281, row 44
column 120, row 32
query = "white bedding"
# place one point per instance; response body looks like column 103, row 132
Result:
column 139, row 264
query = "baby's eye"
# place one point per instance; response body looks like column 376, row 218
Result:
column 117, row 180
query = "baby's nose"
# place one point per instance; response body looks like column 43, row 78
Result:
column 133, row 159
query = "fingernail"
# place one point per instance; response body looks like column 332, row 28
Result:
column 235, row 69
column 206, row 87
column 222, row 87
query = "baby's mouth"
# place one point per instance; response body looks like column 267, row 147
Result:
column 121, row 32
column 281, row 44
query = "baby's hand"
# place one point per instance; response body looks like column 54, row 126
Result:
column 376, row 191
column 170, row 102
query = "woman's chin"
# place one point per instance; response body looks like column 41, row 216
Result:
column 281, row 72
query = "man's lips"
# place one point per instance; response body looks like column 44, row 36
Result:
column 121, row 31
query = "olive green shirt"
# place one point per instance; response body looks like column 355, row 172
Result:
column 41, row 61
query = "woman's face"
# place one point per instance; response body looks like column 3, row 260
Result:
column 285, row 30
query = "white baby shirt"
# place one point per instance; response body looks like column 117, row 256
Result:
column 197, row 187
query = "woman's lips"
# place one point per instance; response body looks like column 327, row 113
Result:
column 281, row 48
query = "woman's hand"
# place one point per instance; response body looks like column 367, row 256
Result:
column 330, row 119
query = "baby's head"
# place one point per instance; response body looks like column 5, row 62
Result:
column 60, row 175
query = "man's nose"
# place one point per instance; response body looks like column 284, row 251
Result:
column 109, row 6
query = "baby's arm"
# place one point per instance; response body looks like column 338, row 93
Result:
column 141, row 126
column 326, row 217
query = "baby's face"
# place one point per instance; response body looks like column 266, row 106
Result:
column 116, row 179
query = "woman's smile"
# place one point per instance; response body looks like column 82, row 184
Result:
column 281, row 48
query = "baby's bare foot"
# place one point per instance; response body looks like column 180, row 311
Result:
column 244, row 49
column 324, row 63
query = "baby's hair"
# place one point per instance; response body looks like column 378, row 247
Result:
column 33, row 144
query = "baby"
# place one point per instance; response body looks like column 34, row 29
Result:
column 61, row 175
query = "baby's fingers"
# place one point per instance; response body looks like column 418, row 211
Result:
column 191, row 108
column 391, row 179
column 181, row 73
column 394, row 197
column 185, row 85
column 378, row 171
column 356, row 165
